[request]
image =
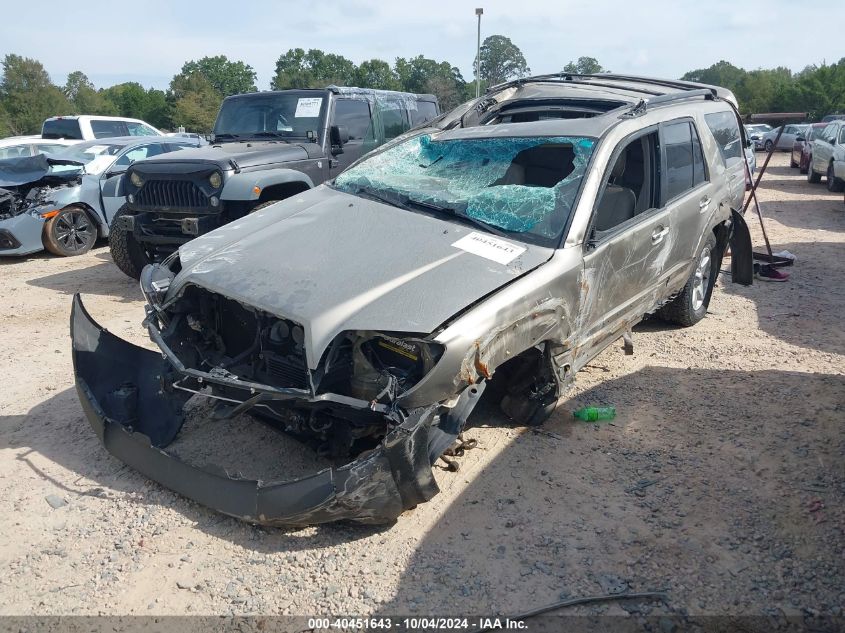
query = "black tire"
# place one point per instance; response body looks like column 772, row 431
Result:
column 812, row 176
column 690, row 305
column 70, row 232
column 126, row 253
column 834, row 184
column 768, row 146
column 792, row 162
column 803, row 168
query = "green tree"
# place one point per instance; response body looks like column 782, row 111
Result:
column 227, row 77
column 721, row 73
column 195, row 102
column 584, row 66
column 84, row 97
column 27, row 96
column 501, row 60
column 314, row 69
column 377, row 74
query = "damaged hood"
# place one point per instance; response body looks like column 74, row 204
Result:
column 333, row 262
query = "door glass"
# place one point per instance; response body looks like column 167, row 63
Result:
column 679, row 161
column 393, row 117
column 139, row 129
column 631, row 186
column 698, row 173
column 138, row 153
column 104, row 128
column 426, row 111
column 725, row 130
column 355, row 115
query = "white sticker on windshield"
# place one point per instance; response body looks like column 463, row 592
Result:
column 308, row 107
column 96, row 149
column 489, row 247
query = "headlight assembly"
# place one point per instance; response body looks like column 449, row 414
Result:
column 385, row 365
column 215, row 180
column 136, row 180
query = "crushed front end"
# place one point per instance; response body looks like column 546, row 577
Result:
column 246, row 360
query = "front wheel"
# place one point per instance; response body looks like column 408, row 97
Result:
column 70, row 232
column 792, row 163
column 834, row 184
column 812, row 176
column 690, row 305
column 802, row 166
column 769, row 146
column 126, row 252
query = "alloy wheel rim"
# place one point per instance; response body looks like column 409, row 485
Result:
column 702, row 279
column 73, row 230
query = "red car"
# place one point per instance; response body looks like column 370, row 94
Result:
column 802, row 148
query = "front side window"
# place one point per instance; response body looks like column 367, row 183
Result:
column 842, row 134
column 15, row 151
column 684, row 160
column 632, row 185
column 355, row 115
column 525, row 186
column 725, row 129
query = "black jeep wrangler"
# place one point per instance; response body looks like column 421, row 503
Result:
column 267, row 146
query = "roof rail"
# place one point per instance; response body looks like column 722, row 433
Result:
column 605, row 81
column 641, row 107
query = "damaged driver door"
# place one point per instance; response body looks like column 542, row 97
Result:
column 627, row 254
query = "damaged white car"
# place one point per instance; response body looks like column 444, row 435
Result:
column 516, row 237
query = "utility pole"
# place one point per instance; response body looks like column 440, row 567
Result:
column 478, row 12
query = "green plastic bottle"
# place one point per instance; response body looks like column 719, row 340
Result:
column 593, row 414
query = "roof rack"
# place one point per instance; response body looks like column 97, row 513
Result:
column 641, row 107
column 576, row 78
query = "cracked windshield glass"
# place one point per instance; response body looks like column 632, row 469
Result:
column 518, row 185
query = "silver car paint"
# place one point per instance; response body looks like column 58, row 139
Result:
column 579, row 300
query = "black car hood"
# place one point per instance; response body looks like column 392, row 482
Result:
column 245, row 154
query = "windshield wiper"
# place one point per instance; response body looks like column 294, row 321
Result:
column 270, row 134
column 397, row 200
column 234, row 137
column 460, row 216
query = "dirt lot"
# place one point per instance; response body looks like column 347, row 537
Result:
column 721, row 480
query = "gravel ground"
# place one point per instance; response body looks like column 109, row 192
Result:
column 720, row 481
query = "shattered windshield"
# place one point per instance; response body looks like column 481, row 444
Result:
column 525, row 185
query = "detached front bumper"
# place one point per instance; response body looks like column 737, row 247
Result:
column 21, row 235
column 126, row 394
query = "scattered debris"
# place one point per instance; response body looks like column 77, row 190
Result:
column 55, row 501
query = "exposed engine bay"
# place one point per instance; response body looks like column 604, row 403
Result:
column 211, row 333
column 29, row 182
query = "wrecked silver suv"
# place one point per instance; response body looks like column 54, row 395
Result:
column 513, row 239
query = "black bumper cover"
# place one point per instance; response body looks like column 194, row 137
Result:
column 125, row 393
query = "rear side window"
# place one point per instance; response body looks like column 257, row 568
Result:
column 61, row 128
column 725, row 130
column 394, row 119
column 140, row 129
column 103, row 128
column 684, row 159
column 355, row 115
column 426, row 111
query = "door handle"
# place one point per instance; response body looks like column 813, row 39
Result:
column 704, row 203
column 659, row 233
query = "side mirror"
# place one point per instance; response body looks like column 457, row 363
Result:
column 832, row 140
column 800, row 138
column 749, row 144
column 340, row 135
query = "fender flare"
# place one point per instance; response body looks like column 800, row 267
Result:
column 243, row 186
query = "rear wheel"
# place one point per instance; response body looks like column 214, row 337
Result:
column 802, row 167
column 690, row 305
column 769, row 146
column 833, row 183
column 126, row 252
column 792, row 162
column 70, row 232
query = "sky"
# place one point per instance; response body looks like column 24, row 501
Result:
column 148, row 41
